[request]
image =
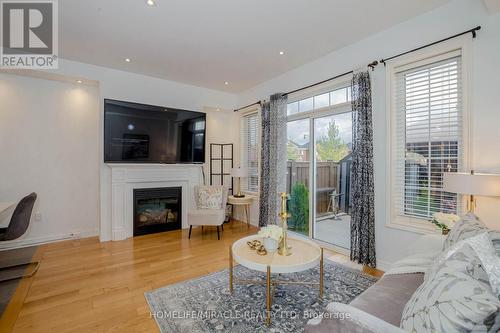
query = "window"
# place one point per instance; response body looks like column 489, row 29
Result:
column 250, row 150
column 427, row 135
column 332, row 98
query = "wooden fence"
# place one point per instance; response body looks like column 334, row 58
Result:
column 327, row 174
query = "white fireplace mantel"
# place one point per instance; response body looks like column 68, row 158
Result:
column 127, row 177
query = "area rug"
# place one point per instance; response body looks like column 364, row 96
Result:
column 206, row 305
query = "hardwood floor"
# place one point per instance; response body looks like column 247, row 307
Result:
column 88, row 286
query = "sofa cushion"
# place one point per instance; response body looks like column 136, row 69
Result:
column 387, row 298
column 457, row 294
column 344, row 318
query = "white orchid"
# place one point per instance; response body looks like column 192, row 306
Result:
column 271, row 231
column 445, row 221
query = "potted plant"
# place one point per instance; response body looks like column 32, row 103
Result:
column 299, row 208
column 271, row 236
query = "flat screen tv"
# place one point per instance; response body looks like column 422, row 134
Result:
column 139, row 133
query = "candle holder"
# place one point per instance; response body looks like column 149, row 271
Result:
column 284, row 249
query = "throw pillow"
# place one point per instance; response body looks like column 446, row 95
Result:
column 468, row 226
column 495, row 239
column 210, row 197
column 460, row 292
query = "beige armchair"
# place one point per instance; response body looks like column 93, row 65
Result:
column 211, row 217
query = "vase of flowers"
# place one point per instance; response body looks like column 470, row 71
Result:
column 444, row 221
column 271, row 236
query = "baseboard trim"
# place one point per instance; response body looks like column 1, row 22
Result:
column 383, row 265
column 20, row 243
column 119, row 234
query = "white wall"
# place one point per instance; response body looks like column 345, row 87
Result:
column 132, row 87
column 450, row 19
column 222, row 127
column 49, row 143
column 112, row 84
column 143, row 89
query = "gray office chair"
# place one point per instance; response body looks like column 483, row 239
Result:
column 18, row 225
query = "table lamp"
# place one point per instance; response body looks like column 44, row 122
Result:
column 472, row 184
column 239, row 173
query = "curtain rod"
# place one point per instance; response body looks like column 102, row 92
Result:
column 246, row 106
column 472, row 31
column 371, row 65
column 375, row 63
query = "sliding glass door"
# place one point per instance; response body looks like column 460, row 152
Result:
column 319, row 132
column 332, row 151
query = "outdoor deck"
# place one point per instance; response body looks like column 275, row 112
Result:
column 336, row 232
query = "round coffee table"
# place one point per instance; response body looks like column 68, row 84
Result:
column 306, row 254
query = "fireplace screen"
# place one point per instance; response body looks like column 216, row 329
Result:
column 157, row 210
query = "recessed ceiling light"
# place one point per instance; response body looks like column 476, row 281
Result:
column 226, row 83
column 282, row 52
column 79, row 81
column 150, row 2
column 127, row 59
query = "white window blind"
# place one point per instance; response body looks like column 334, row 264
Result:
column 428, row 138
column 250, row 150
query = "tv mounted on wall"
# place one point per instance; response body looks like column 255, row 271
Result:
column 140, row 133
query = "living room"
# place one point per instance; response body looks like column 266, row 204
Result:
column 292, row 166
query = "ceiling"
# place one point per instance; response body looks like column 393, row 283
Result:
column 207, row 43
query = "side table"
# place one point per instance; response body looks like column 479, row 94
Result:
column 245, row 202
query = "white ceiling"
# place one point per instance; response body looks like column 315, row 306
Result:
column 206, row 43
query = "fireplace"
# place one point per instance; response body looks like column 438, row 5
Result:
column 157, row 210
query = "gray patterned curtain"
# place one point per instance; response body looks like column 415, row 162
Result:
column 362, row 188
column 273, row 158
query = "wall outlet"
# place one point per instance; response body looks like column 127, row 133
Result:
column 38, row 217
